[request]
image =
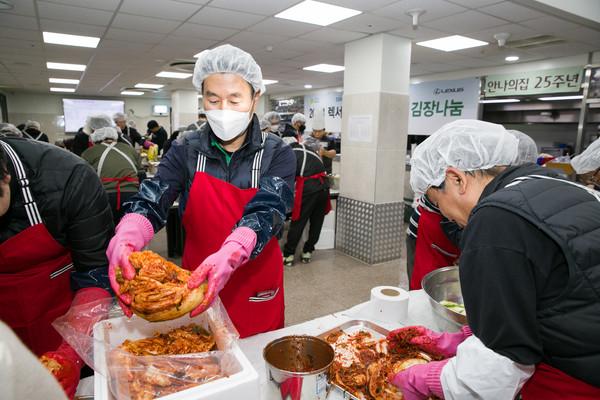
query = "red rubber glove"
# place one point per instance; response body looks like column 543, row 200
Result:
column 148, row 144
column 133, row 233
column 67, row 371
column 218, row 267
column 436, row 344
column 420, row 381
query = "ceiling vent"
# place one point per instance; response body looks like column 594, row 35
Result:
column 536, row 42
column 183, row 65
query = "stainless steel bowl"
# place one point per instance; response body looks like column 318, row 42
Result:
column 443, row 284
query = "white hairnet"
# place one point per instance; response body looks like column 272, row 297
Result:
column 289, row 140
column 101, row 134
column 527, row 151
column 589, row 160
column 298, row 118
column 272, row 116
column 119, row 117
column 96, row 121
column 229, row 60
column 264, row 124
column 467, row 145
column 318, row 119
column 7, row 129
column 35, row 124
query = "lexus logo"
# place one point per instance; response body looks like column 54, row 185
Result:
column 437, row 91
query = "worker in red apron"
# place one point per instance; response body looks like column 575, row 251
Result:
column 117, row 164
column 529, row 272
column 234, row 188
column 54, row 226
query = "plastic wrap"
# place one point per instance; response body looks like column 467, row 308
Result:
column 145, row 377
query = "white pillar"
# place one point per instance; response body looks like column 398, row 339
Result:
column 370, row 205
column 184, row 105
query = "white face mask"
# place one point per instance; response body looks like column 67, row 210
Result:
column 228, row 124
column 274, row 128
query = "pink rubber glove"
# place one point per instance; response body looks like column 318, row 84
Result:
column 420, row 381
column 133, row 233
column 218, row 267
column 436, row 344
column 148, row 144
column 70, row 362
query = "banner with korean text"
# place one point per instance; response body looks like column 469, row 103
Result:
column 558, row 80
column 433, row 104
column 331, row 103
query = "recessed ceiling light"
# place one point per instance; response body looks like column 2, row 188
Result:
column 329, row 68
column 500, row 101
column 148, row 86
column 62, row 89
column 511, row 58
column 65, row 81
column 576, row 97
column 452, row 43
column 66, row 67
column 131, row 93
column 70, row 40
column 314, row 12
column 307, row 86
column 269, row 81
column 175, row 75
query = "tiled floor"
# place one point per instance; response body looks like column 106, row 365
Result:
column 331, row 282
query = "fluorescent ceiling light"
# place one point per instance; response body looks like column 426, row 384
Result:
column 577, row 97
column 511, row 58
column 500, row 101
column 66, row 67
column 325, row 68
column 175, row 75
column 269, row 81
column 148, row 86
column 307, row 86
column 62, row 89
column 314, row 12
column 131, row 93
column 452, row 43
column 65, row 81
column 70, row 40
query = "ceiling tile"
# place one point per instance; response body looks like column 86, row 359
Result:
column 463, row 23
column 225, row 18
column 583, row 34
column 18, row 21
column 21, row 7
column 475, row 3
column 133, row 36
column 262, row 7
column 420, row 34
column 511, row 12
column 204, row 32
column 108, row 5
column 329, row 35
column 434, row 9
column 369, row 23
column 516, row 31
column 360, row 5
column 146, row 24
column 164, row 9
column 557, row 24
column 276, row 26
column 71, row 13
column 13, row 33
column 51, row 25
column 258, row 39
column 182, row 48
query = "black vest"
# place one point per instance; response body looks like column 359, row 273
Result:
column 569, row 325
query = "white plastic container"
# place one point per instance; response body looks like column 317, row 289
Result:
column 242, row 383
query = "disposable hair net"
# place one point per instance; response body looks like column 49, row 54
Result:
column 96, row 121
column 527, row 151
column 264, row 124
column 35, row 124
column 104, row 133
column 228, row 60
column 298, row 118
column 272, row 116
column 467, row 145
column 589, row 160
column 119, row 117
column 7, row 129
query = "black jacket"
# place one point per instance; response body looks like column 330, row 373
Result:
column 81, row 142
column 160, row 137
column 132, row 136
column 530, row 271
column 308, row 163
column 72, row 203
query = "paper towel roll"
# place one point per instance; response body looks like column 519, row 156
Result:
column 389, row 304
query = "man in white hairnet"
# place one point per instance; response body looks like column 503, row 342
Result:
column 235, row 186
column 273, row 118
column 527, row 150
column 318, row 142
column 296, row 127
column 81, row 142
column 587, row 165
column 529, row 273
column 7, row 129
column 33, row 131
column 129, row 134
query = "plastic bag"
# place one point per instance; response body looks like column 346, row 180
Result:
column 144, row 377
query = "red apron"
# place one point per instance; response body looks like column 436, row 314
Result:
column 549, row 383
column 298, row 194
column 34, row 277
column 126, row 178
column 253, row 296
